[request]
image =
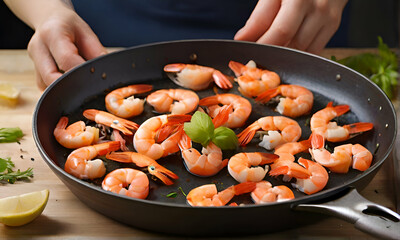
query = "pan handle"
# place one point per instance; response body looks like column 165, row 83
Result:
column 366, row 216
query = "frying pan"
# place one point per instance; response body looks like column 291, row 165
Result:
column 85, row 87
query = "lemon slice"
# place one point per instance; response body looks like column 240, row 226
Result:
column 22, row 209
column 8, row 94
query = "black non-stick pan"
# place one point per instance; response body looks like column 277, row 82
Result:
column 85, row 87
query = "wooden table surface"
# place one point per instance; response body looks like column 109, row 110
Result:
column 66, row 217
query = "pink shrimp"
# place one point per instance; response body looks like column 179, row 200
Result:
column 316, row 181
column 241, row 108
column 80, row 164
column 186, row 101
column 120, row 179
column 239, row 166
column 320, row 124
column 122, row 103
column 145, row 142
column 141, row 160
column 265, row 193
column 109, row 120
column 196, row 77
column 286, row 165
column 208, row 195
column 342, row 157
column 252, row 80
column 297, row 100
column 290, row 131
column 75, row 135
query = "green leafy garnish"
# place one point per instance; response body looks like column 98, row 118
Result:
column 380, row 68
column 184, row 194
column 225, row 138
column 8, row 174
column 8, row 135
column 201, row 130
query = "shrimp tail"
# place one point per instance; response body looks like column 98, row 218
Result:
column 244, row 187
column 222, row 116
column 141, row 88
column 236, row 67
column 295, row 170
column 221, row 80
column 124, row 157
column 267, row 95
column 185, row 142
column 356, row 128
column 208, row 101
column 178, row 118
column 267, row 157
column 317, row 141
column 105, row 148
column 174, row 67
column 110, row 120
column 62, row 123
column 246, row 135
column 339, row 109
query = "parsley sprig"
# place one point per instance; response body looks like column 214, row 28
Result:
column 8, row 174
column 381, row 68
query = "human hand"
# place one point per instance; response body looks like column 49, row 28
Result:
column 306, row 25
column 62, row 41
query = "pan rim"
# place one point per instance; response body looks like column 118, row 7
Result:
column 306, row 198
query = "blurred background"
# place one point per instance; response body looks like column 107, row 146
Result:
column 362, row 22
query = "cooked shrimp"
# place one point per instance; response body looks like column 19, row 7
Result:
column 145, row 142
column 342, row 157
column 320, row 124
column 207, row 163
column 196, row 77
column 120, row 179
column 110, row 120
column 80, row 164
column 285, row 165
column 208, row 195
column 240, row 166
column 316, row 182
column 297, row 100
column 265, row 193
column 144, row 161
column 241, row 108
column 122, row 103
column 290, row 131
column 252, row 80
column 75, row 135
column 186, row 101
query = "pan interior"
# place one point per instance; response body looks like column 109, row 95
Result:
column 327, row 81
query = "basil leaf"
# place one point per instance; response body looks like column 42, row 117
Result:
column 225, row 138
column 200, row 128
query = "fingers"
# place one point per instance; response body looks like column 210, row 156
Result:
column 46, row 69
column 88, row 43
column 303, row 24
column 259, row 21
column 286, row 23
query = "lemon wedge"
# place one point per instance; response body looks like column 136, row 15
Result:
column 22, row 209
column 8, row 94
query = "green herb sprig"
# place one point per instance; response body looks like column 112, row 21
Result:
column 381, row 68
column 8, row 135
column 201, row 130
column 8, row 174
